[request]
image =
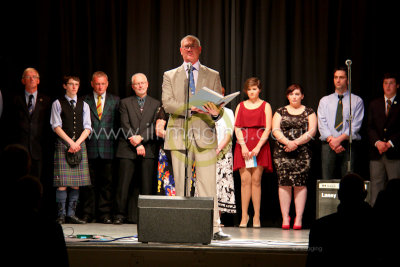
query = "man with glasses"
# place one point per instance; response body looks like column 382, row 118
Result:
column 136, row 149
column 27, row 121
column 30, row 117
column 202, row 139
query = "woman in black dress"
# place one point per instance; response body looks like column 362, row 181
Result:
column 293, row 127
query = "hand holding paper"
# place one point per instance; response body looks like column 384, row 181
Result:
column 206, row 95
column 251, row 162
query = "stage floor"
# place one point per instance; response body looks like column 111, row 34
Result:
column 126, row 234
column 248, row 247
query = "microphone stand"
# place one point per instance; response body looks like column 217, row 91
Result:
column 186, row 132
column 348, row 63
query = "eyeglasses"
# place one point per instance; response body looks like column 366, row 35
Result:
column 31, row 77
column 141, row 83
column 76, row 84
column 192, row 46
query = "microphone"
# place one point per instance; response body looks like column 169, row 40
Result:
column 348, row 62
column 189, row 66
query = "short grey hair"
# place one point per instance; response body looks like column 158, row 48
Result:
column 137, row 74
column 192, row 37
column 30, row 69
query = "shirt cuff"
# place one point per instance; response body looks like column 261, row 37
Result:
column 54, row 126
column 140, row 144
column 390, row 142
column 221, row 113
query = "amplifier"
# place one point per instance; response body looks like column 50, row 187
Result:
column 327, row 196
column 174, row 219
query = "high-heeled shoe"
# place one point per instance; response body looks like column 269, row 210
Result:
column 296, row 227
column 256, row 225
column 286, row 226
column 244, row 225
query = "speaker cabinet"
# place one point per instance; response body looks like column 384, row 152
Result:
column 327, row 196
column 175, row 219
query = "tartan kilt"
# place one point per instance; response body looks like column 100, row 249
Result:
column 65, row 175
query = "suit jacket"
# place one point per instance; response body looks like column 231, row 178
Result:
column 30, row 131
column 384, row 128
column 201, row 127
column 101, row 141
column 135, row 122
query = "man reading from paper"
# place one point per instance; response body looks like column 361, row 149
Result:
column 202, row 139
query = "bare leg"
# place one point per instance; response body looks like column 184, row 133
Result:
column 245, row 177
column 300, row 197
column 285, row 198
column 256, row 193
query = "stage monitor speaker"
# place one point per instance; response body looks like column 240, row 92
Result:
column 175, row 219
column 327, row 196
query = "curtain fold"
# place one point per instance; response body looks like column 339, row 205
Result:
column 280, row 42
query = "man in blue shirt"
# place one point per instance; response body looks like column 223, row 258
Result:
column 333, row 126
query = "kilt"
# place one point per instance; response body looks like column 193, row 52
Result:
column 65, row 175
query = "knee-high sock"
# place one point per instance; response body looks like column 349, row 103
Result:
column 61, row 199
column 73, row 197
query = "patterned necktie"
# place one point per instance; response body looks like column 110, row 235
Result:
column 339, row 115
column 30, row 104
column 72, row 103
column 98, row 107
column 141, row 103
column 191, row 81
column 389, row 105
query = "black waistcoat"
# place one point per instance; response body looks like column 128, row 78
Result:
column 72, row 118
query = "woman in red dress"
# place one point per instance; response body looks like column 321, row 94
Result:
column 253, row 119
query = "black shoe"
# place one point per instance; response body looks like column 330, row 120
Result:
column 221, row 236
column 61, row 219
column 107, row 220
column 118, row 220
column 87, row 218
column 75, row 220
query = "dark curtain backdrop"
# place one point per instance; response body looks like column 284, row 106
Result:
column 279, row 41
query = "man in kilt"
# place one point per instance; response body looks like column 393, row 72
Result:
column 70, row 120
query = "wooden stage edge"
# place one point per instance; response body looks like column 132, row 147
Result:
column 96, row 244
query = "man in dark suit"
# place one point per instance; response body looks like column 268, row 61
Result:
column 27, row 120
column 384, row 136
column 97, row 198
column 136, row 147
